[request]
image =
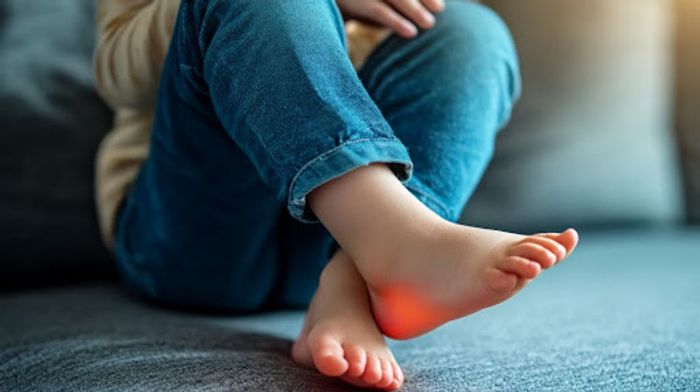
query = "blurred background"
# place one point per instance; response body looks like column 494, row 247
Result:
column 606, row 135
column 608, row 118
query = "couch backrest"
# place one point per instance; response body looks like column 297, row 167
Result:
column 591, row 141
column 52, row 121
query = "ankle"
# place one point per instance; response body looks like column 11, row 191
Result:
column 371, row 214
column 349, row 206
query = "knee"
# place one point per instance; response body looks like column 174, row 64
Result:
column 270, row 18
column 282, row 30
column 478, row 43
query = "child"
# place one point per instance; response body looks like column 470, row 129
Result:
column 259, row 123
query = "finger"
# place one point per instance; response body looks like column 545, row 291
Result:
column 415, row 11
column 434, row 6
column 384, row 15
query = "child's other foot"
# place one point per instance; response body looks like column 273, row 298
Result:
column 340, row 337
column 420, row 269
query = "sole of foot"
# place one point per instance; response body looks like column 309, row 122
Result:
column 457, row 273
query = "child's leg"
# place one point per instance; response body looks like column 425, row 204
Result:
column 258, row 105
column 446, row 102
column 446, row 93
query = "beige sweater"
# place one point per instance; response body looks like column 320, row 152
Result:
column 132, row 41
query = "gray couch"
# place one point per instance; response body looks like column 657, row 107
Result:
column 622, row 314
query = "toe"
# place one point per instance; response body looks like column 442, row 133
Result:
column 357, row 359
column 520, row 266
column 534, row 252
column 301, row 354
column 373, row 370
column 387, row 375
column 398, row 376
column 327, row 355
column 568, row 239
column 551, row 245
column 501, row 282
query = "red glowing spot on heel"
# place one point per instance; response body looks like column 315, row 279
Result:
column 401, row 314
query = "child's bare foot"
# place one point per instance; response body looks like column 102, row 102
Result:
column 421, row 270
column 455, row 272
column 340, row 337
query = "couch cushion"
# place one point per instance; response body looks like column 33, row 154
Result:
column 591, row 139
column 621, row 315
column 52, row 121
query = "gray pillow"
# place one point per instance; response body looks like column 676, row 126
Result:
column 590, row 143
column 52, row 121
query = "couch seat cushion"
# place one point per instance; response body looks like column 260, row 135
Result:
column 621, row 314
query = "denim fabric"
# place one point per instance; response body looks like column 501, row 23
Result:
column 259, row 105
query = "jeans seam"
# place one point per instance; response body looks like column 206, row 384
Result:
column 290, row 198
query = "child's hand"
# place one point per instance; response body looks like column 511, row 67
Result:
column 402, row 16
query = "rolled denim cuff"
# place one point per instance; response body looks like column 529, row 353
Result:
column 341, row 160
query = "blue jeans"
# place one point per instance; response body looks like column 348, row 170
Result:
column 259, row 105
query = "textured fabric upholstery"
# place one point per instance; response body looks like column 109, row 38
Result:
column 621, row 315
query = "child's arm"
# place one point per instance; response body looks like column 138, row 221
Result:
column 132, row 40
